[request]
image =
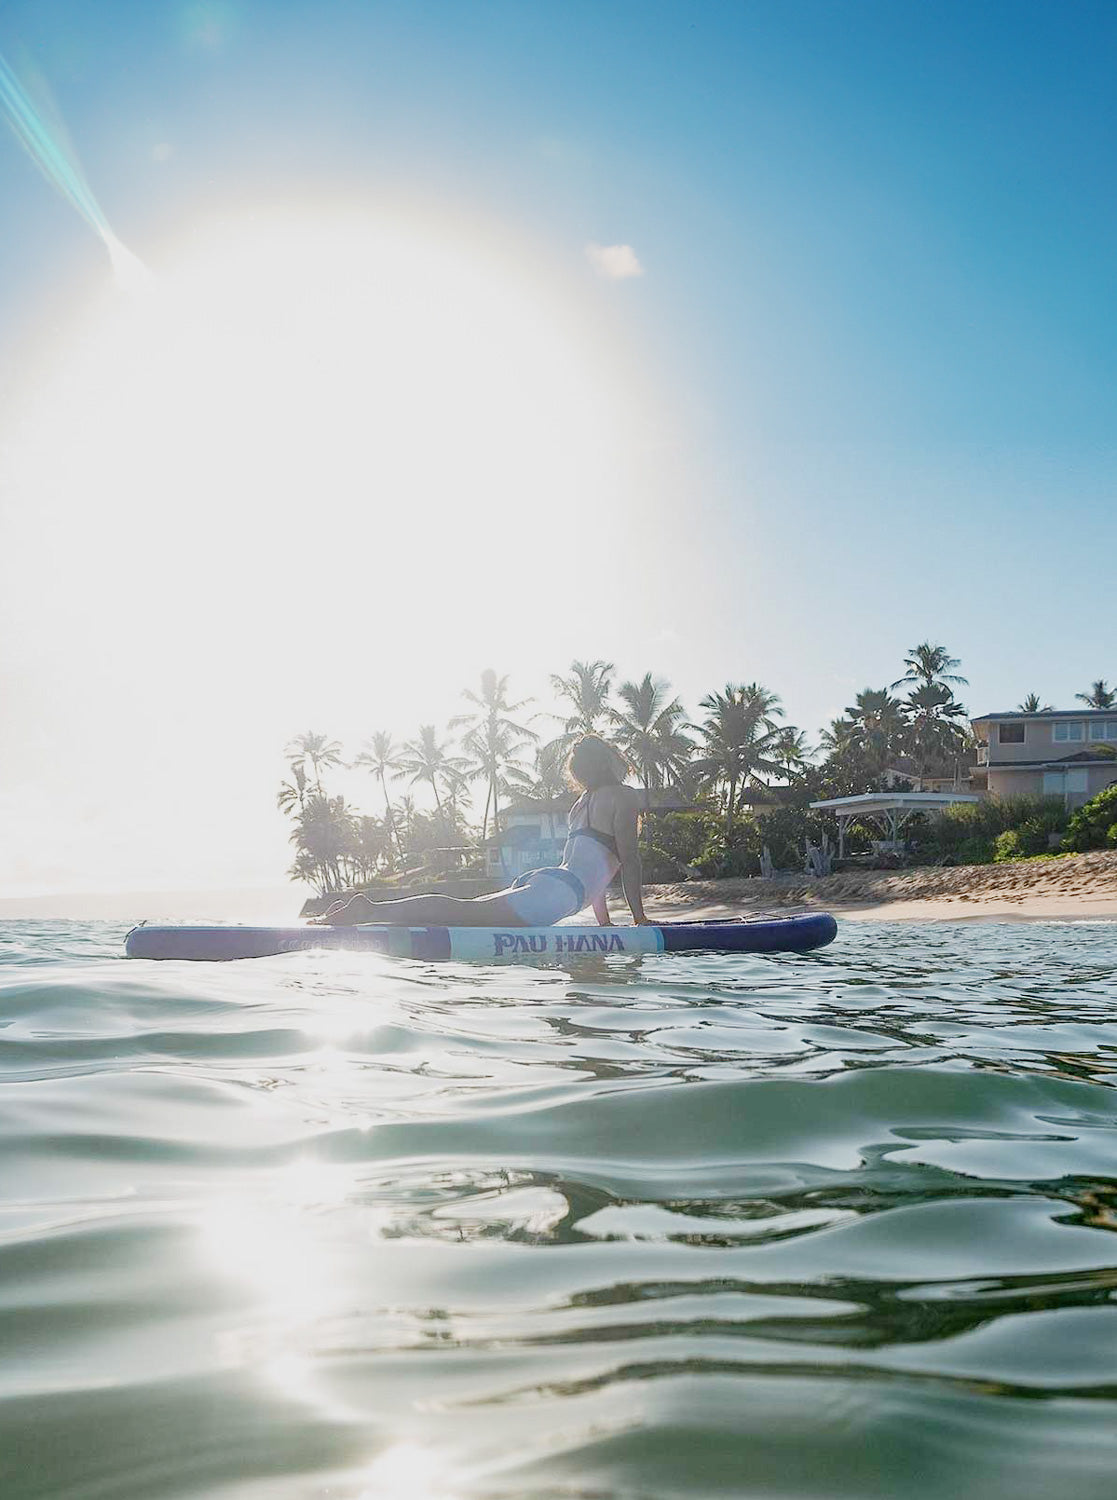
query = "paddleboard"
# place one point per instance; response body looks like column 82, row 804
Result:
column 771, row 935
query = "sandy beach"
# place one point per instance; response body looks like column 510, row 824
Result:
column 1079, row 887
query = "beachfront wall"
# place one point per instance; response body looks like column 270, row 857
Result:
column 1058, row 753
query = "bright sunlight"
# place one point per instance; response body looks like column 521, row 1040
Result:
column 406, row 402
column 305, row 437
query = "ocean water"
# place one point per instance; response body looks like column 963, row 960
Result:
column 333, row 1225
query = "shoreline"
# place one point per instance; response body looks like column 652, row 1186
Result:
column 1075, row 888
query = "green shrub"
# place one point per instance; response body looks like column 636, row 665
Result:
column 974, row 851
column 1022, row 842
column 671, row 843
column 721, row 863
column 968, row 832
column 1007, row 846
column 784, row 829
column 1091, row 827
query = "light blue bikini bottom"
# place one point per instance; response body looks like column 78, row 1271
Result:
column 540, row 898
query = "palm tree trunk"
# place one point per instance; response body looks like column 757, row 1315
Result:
column 390, row 815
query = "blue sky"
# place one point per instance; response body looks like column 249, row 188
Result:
column 872, row 344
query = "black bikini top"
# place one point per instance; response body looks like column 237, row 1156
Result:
column 587, row 832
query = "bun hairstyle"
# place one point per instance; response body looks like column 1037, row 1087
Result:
column 593, row 762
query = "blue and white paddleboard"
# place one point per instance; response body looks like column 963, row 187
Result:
column 768, row 935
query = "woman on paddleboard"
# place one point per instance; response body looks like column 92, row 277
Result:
column 604, row 823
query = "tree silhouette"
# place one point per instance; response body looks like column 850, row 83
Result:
column 1099, row 696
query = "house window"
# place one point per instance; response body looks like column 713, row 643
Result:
column 1055, row 783
column 1010, row 734
column 1065, row 730
column 1104, row 729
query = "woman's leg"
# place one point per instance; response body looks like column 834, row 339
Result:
column 424, row 911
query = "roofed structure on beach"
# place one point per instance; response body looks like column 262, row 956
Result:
column 888, row 811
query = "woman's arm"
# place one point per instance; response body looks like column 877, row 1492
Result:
column 601, row 912
column 626, row 829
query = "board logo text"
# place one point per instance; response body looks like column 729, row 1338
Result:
column 577, row 942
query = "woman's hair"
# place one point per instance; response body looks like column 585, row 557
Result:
column 593, row 762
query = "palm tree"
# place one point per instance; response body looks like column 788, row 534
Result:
column 792, row 752
column 407, row 814
column 292, row 794
column 316, row 749
column 932, row 734
column 324, row 833
column 844, row 770
column 455, row 786
column 548, row 783
column 741, row 739
column 370, row 843
column 305, row 868
column 1032, row 705
column 380, row 756
column 424, row 759
column 586, row 691
column 492, row 754
column 839, row 739
column 928, row 665
column 493, row 741
column 1099, row 696
column 877, row 728
column 648, row 728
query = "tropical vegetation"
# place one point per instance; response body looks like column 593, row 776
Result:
column 1101, row 695
column 1094, row 826
column 743, row 775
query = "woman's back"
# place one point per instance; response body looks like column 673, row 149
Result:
column 591, row 845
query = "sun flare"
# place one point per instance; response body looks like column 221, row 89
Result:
column 401, row 406
column 315, row 463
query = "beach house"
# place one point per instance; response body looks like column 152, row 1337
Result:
column 533, row 831
column 532, row 835
column 1068, row 753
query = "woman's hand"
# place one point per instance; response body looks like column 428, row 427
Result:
column 626, row 831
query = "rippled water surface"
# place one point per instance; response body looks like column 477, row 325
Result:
column 346, row 1226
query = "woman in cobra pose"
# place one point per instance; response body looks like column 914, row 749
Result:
column 602, row 841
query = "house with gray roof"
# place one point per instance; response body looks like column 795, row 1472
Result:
column 1068, row 753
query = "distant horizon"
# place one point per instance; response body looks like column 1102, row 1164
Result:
column 262, row 903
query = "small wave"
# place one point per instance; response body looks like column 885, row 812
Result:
column 674, row 1226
